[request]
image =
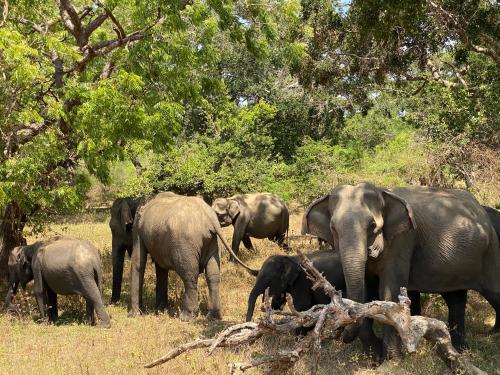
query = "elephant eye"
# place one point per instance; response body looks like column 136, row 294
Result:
column 373, row 226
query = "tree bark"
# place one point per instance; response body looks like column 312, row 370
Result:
column 12, row 224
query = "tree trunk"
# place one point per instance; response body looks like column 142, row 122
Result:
column 11, row 234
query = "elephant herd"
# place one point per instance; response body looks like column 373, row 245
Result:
column 427, row 239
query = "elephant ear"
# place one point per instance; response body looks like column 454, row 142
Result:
column 316, row 220
column 126, row 216
column 233, row 208
column 398, row 215
column 290, row 273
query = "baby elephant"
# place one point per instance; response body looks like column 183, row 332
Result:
column 258, row 215
column 283, row 274
column 59, row 266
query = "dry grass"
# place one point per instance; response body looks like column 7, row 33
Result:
column 70, row 347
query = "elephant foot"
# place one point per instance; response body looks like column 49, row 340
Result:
column 214, row 315
column 392, row 353
column 186, row 316
column 104, row 324
column 134, row 312
column 161, row 308
column 374, row 350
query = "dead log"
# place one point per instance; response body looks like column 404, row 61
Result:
column 327, row 321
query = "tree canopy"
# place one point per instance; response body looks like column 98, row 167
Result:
column 215, row 97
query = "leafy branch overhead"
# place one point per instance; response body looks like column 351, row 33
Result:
column 326, row 321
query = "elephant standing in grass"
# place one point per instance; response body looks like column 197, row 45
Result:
column 258, row 215
column 59, row 266
column 181, row 234
column 122, row 218
column 429, row 240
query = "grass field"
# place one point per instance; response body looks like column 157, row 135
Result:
column 70, row 347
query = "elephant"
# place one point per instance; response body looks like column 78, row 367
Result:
column 258, row 215
column 456, row 300
column 180, row 233
column 283, row 274
column 59, row 265
column 426, row 239
column 122, row 218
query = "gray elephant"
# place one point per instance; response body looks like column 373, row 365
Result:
column 181, row 234
column 456, row 300
column 59, row 266
column 258, row 215
column 427, row 239
column 122, row 218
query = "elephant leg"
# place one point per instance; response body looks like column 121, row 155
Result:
column 389, row 291
column 161, row 288
column 493, row 299
column 415, row 307
column 92, row 295
column 52, row 305
column 212, row 275
column 89, row 312
column 248, row 244
column 280, row 240
column 118, row 254
column 190, row 302
column 137, row 268
column 456, row 317
column 39, row 289
column 372, row 345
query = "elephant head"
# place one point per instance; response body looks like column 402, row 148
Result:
column 360, row 221
column 278, row 273
column 20, row 271
column 122, row 217
column 227, row 210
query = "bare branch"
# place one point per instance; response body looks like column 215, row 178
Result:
column 453, row 21
column 327, row 319
column 103, row 48
column 119, row 29
column 95, row 23
column 107, row 70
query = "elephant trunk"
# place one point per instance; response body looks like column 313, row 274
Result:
column 354, row 254
column 118, row 255
column 13, row 285
column 258, row 289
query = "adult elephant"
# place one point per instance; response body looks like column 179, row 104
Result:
column 181, row 234
column 122, row 218
column 258, row 215
column 457, row 300
column 59, row 265
column 429, row 240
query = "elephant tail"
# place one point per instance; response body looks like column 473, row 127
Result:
column 228, row 248
column 98, row 278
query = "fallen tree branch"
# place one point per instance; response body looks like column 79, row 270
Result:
column 327, row 320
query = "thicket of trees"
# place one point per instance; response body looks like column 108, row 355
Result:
column 214, row 97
